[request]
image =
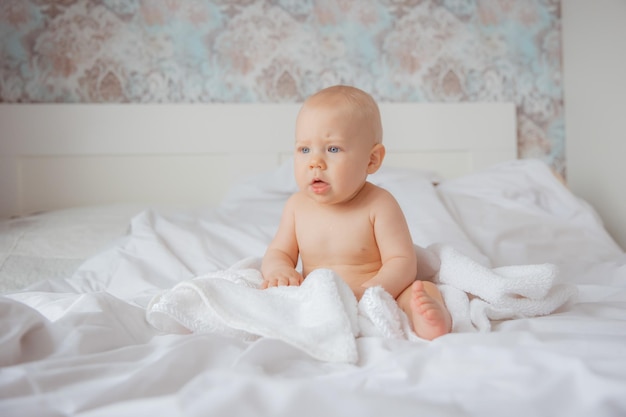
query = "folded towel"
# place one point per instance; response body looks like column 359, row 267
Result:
column 475, row 294
column 322, row 316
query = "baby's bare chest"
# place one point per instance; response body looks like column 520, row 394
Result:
column 330, row 235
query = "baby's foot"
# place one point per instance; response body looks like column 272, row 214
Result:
column 430, row 316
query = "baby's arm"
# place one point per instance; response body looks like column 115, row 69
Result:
column 281, row 257
column 399, row 261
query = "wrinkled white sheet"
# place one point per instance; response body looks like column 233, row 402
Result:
column 81, row 346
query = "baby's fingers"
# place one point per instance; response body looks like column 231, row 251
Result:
column 281, row 281
column 294, row 281
column 275, row 282
column 291, row 280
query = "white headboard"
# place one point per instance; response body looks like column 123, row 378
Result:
column 61, row 155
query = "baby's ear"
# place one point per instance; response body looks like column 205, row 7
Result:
column 377, row 154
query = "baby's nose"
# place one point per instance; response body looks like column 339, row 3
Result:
column 317, row 162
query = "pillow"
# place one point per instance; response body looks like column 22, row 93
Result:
column 428, row 219
column 255, row 204
column 518, row 212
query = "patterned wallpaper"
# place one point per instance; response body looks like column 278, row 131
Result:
column 284, row 50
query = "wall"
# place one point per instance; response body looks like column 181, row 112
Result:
column 595, row 110
column 283, row 50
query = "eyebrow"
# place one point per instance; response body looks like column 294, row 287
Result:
column 324, row 139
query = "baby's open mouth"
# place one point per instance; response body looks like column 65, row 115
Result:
column 318, row 186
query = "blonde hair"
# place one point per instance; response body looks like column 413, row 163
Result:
column 361, row 101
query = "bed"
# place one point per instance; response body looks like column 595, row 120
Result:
column 111, row 209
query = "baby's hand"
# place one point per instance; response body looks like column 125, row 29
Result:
column 286, row 277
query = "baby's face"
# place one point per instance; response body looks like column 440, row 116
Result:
column 332, row 154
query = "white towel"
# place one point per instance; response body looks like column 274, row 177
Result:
column 322, row 316
column 319, row 317
column 475, row 294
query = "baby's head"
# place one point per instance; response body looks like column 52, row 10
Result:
column 338, row 143
column 356, row 105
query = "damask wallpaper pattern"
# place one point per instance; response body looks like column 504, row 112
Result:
column 284, row 50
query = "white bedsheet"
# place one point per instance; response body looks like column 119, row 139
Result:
column 81, row 346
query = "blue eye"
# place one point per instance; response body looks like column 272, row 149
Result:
column 304, row 149
column 333, row 149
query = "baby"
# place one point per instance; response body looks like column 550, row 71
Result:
column 340, row 221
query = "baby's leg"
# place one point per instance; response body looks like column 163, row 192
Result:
column 423, row 304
